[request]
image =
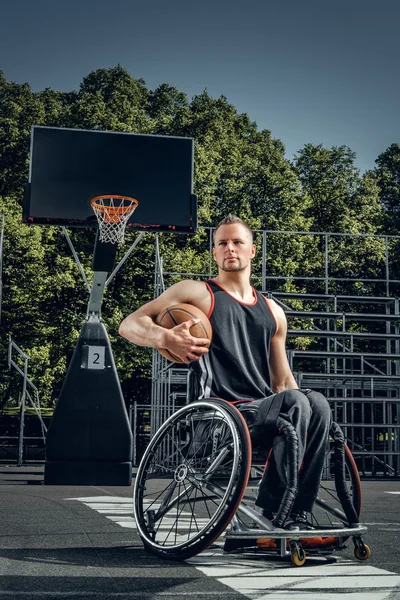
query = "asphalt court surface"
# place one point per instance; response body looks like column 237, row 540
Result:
column 81, row 542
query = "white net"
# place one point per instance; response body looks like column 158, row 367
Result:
column 112, row 214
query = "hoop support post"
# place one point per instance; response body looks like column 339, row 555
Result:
column 76, row 257
column 125, row 257
column 96, row 294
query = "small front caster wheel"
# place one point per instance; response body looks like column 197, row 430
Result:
column 362, row 552
column 298, row 556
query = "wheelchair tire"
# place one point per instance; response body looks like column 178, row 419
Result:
column 191, row 479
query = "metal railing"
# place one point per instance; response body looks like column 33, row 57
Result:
column 324, row 269
column 28, row 388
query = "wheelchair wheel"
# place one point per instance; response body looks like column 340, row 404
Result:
column 192, row 478
column 328, row 510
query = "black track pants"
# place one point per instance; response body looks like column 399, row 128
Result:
column 310, row 415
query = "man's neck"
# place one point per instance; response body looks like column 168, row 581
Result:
column 236, row 283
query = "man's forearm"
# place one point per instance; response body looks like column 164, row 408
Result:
column 142, row 331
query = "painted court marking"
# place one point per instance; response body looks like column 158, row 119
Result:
column 258, row 578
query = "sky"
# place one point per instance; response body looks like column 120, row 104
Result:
column 309, row 71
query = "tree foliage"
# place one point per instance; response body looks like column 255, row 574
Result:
column 341, row 200
column 388, row 173
column 238, row 168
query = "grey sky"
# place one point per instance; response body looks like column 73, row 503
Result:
column 311, row 71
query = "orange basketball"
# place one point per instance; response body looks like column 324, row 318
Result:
column 179, row 313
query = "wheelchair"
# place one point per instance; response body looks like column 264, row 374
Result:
column 198, row 478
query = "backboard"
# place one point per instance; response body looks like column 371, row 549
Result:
column 69, row 167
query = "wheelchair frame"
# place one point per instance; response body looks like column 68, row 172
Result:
column 192, row 480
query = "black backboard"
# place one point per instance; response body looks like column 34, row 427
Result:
column 69, row 167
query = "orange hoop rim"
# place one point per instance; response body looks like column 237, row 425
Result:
column 114, row 210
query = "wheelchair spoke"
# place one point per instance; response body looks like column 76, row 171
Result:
column 328, row 510
column 179, row 512
column 206, row 505
column 211, row 499
column 159, row 494
column 164, row 504
column 203, row 446
column 193, row 515
column 174, row 523
column 331, row 493
column 174, row 502
column 317, row 522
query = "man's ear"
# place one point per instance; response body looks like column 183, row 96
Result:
column 213, row 253
column 253, row 250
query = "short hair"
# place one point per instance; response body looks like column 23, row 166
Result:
column 233, row 220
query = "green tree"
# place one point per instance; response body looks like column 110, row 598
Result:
column 388, row 173
column 111, row 100
column 329, row 179
column 342, row 201
column 43, row 297
column 169, row 110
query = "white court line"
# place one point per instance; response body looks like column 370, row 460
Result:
column 337, row 581
column 81, row 595
column 256, row 578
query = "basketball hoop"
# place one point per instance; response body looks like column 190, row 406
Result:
column 112, row 214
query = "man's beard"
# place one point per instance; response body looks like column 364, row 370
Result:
column 233, row 268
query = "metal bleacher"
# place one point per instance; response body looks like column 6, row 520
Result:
column 358, row 371
column 345, row 346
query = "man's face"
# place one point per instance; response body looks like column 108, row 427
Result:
column 233, row 248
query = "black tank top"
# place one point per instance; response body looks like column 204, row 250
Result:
column 237, row 365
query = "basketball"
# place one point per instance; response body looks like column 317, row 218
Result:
column 179, row 313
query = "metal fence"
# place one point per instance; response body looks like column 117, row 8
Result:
column 29, row 396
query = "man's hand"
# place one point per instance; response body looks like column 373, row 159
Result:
column 180, row 342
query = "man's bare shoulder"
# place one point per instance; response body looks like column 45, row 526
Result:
column 278, row 312
column 189, row 291
column 277, row 308
column 189, row 285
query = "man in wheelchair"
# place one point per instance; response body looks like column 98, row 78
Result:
column 246, row 364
